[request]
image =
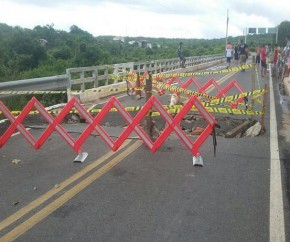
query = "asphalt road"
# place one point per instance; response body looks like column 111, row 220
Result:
column 134, row 195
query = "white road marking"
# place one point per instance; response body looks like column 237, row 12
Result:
column 276, row 223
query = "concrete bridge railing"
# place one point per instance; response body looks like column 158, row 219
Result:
column 100, row 77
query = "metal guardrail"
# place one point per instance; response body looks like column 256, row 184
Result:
column 83, row 78
column 60, row 82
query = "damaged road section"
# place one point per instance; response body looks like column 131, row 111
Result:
column 229, row 127
column 192, row 124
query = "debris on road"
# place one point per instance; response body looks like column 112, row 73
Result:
column 240, row 129
column 254, row 130
column 197, row 130
column 15, row 203
column 15, row 161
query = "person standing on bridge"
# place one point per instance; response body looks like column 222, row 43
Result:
column 258, row 59
column 229, row 52
column 181, row 56
column 263, row 56
column 243, row 53
column 236, row 54
column 275, row 60
column 287, row 55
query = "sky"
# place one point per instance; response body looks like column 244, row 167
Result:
column 148, row 18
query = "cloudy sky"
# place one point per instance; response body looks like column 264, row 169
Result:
column 148, row 18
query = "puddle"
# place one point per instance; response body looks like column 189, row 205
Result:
column 284, row 99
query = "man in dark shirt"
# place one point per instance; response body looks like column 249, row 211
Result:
column 236, row 54
column 181, row 56
column 243, row 53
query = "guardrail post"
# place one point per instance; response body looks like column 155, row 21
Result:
column 149, row 122
column 253, row 80
column 138, row 87
column 264, row 109
column 95, row 76
column 83, row 81
column 68, row 90
column 107, row 75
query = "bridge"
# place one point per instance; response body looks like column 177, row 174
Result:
column 129, row 193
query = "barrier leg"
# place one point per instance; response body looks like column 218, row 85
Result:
column 81, row 156
column 197, row 160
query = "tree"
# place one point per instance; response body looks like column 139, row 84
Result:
column 283, row 30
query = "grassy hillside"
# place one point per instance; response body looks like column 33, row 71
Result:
column 45, row 51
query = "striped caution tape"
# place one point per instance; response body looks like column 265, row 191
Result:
column 232, row 111
column 203, row 73
column 170, row 109
column 214, row 100
column 232, row 98
column 221, row 110
column 156, row 84
column 161, row 85
column 110, row 90
column 256, row 98
column 73, row 92
column 31, row 92
column 131, row 76
column 223, row 104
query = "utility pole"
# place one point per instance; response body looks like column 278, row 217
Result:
column 276, row 35
column 227, row 27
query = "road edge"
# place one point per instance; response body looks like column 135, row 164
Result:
column 276, row 223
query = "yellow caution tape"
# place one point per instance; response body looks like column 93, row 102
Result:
column 214, row 100
column 73, row 92
column 256, row 98
column 170, row 109
column 131, row 76
column 188, row 74
column 31, row 92
column 222, row 110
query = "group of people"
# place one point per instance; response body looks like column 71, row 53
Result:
column 282, row 56
column 261, row 58
column 240, row 52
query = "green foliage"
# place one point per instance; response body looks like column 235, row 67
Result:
column 45, row 51
column 283, row 30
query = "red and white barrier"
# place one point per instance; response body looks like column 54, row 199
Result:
column 94, row 125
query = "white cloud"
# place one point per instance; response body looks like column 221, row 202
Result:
column 149, row 18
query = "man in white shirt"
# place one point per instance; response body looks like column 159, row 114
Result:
column 229, row 53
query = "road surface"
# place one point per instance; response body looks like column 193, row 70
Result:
column 134, row 195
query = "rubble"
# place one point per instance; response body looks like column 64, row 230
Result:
column 240, row 129
column 253, row 130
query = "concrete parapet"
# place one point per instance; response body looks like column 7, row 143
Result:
column 198, row 67
column 97, row 93
column 94, row 94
